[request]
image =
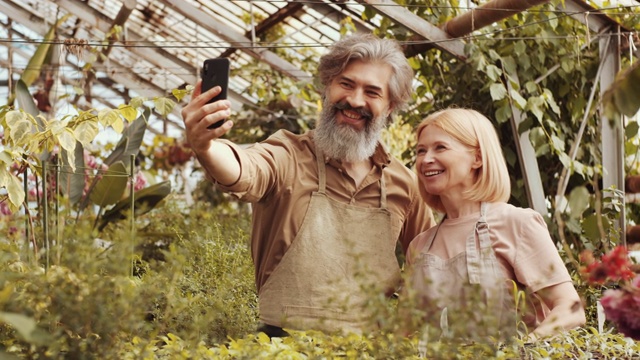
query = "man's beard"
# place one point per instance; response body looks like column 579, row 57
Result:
column 343, row 142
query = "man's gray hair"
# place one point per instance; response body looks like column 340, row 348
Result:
column 369, row 48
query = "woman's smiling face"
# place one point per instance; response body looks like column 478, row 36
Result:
column 446, row 167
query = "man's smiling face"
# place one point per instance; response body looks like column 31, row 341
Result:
column 355, row 110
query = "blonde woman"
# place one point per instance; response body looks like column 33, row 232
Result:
column 483, row 245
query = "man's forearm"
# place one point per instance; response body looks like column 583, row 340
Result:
column 220, row 163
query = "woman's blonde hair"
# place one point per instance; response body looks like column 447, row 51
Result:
column 472, row 129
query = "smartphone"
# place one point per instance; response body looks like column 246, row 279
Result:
column 215, row 72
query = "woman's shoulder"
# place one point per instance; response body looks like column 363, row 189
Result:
column 519, row 221
column 509, row 213
column 509, row 210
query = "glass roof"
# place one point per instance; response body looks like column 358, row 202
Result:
column 163, row 43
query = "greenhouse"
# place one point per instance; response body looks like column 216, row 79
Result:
column 138, row 223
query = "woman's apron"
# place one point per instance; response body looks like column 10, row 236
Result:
column 466, row 294
column 342, row 256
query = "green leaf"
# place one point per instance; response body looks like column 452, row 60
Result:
column 25, row 100
column 144, row 201
column 493, row 72
column 27, row 328
column 503, row 114
column 551, row 101
column 534, row 104
column 6, row 157
column 130, row 141
column 520, row 47
column 66, row 139
column 509, row 65
column 137, row 102
column 520, row 101
column 498, row 91
column 110, row 188
column 110, row 117
column 578, row 201
column 631, row 130
column 72, row 180
column 623, row 96
column 558, row 144
column 20, row 127
column 128, row 112
column 565, row 160
column 32, row 71
column 164, row 106
column 531, row 86
column 590, row 227
column 179, row 94
column 13, row 184
column 86, row 131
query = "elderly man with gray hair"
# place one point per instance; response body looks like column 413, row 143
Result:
column 330, row 205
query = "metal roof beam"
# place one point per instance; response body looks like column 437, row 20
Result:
column 588, row 15
column 125, row 11
column 156, row 56
column 337, row 16
column 486, row 14
column 290, row 9
column 237, row 40
column 477, row 18
column 436, row 36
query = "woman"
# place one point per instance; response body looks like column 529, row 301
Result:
column 471, row 260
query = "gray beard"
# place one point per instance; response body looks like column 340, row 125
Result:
column 342, row 142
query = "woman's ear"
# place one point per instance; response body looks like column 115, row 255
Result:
column 477, row 162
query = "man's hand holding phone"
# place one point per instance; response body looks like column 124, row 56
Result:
column 215, row 72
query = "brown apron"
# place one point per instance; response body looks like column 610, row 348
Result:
column 469, row 288
column 340, row 255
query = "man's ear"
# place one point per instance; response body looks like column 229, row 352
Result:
column 389, row 117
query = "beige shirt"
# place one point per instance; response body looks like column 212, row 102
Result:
column 519, row 237
column 279, row 175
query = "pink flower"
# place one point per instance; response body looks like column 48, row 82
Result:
column 614, row 266
column 4, row 208
column 140, row 181
column 622, row 307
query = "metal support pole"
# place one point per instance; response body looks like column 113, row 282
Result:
column 612, row 134
column 132, row 181
column 26, row 210
column 45, row 217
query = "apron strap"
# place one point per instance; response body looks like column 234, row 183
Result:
column 383, row 190
column 473, row 249
column 322, row 179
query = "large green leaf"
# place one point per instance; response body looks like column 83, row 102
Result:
column 623, row 96
column 27, row 104
column 130, row 141
column 578, row 201
column 110, row 188
column 144, row 201
column 32, row 72
column 27, row 328
column 25, row 100
column 72, row 182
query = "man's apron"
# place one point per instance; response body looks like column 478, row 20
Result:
column 466, row 293
column 340, row 257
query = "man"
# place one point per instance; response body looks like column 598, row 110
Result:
column 330, row 205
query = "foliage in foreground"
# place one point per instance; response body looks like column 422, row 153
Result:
column 192, row 296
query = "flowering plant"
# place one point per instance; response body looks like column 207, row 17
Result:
column 621, row 304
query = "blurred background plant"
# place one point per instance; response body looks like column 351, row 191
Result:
column 616, row 272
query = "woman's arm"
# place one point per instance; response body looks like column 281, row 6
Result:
column 566, row 312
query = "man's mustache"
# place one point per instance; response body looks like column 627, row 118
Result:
column 360, row 110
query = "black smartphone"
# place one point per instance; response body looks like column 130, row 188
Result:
column 215, row 72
